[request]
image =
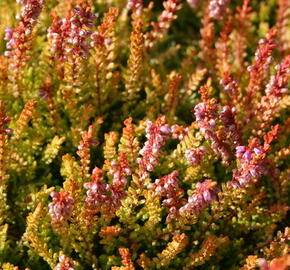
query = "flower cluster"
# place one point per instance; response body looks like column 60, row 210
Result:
column 179, row 132
column 19, row 37
column 194, row 156
column 156, row 133
column 206, row 114
column 217, row 8
column 263, row 59
column 205, row 193
column 168, row 186
column 4, row 121
column 119, row 170
column 252, row 159
column 276, row 89
column 135, row 5
column 61, row 207
column 227, row 117
column 102, row 196
column 164, row 21
column 231, row 88
column 70, row 35
column 20, row 41
column 65, row 263
column 193, row 3
column 144, row 134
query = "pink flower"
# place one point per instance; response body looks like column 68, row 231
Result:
column 156, row 133
column 70, row 35
column 19, row 37
column 179, row 132
column 135, row 5
column 207, row 117
column 227, row 117
column 65, row 263
column 194, row 156
column 101, row 195
column 3, row 122
column 276, row 89
column 230, row 86
column 206, row 192
column 164, row 20
column 168, row 186
column 96, row 189
column 251, row 159
column 119, row 169
column 217, row 8
column 8, row 33
column 193, row 3
column 62, row 205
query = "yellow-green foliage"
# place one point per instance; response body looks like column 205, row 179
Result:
column 144, row 134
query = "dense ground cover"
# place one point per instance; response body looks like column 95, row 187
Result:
column 144, row 135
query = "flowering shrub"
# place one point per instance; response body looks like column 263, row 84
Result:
column 144, row 135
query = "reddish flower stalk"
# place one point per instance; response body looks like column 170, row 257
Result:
column 205, row 193
column 206, row 44
column 227, row 117
column 4, row 132
column 95, row 196
column 207, row 118
column 19, row 39
column 168, row 186
column 261, row 62
column 258, row 70
column 70, row 45
column 135, row 62
column 126, row 260
column 103, row 42
column 119, row 169
column 223, row 65
column 84, row 150
column 57, row 35
column 164, row 21
column 232, row 89
column 69, row 36
column 46, row 92
column 172, row 96
column 109, row 232
column 129, row 144
column 156, row 133
column 276, row 89
column 242, row 18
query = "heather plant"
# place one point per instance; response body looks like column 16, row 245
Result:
column 144, row 134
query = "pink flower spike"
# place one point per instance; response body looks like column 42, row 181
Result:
column 205, row 193
column 156, row 133
column 61, row 207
